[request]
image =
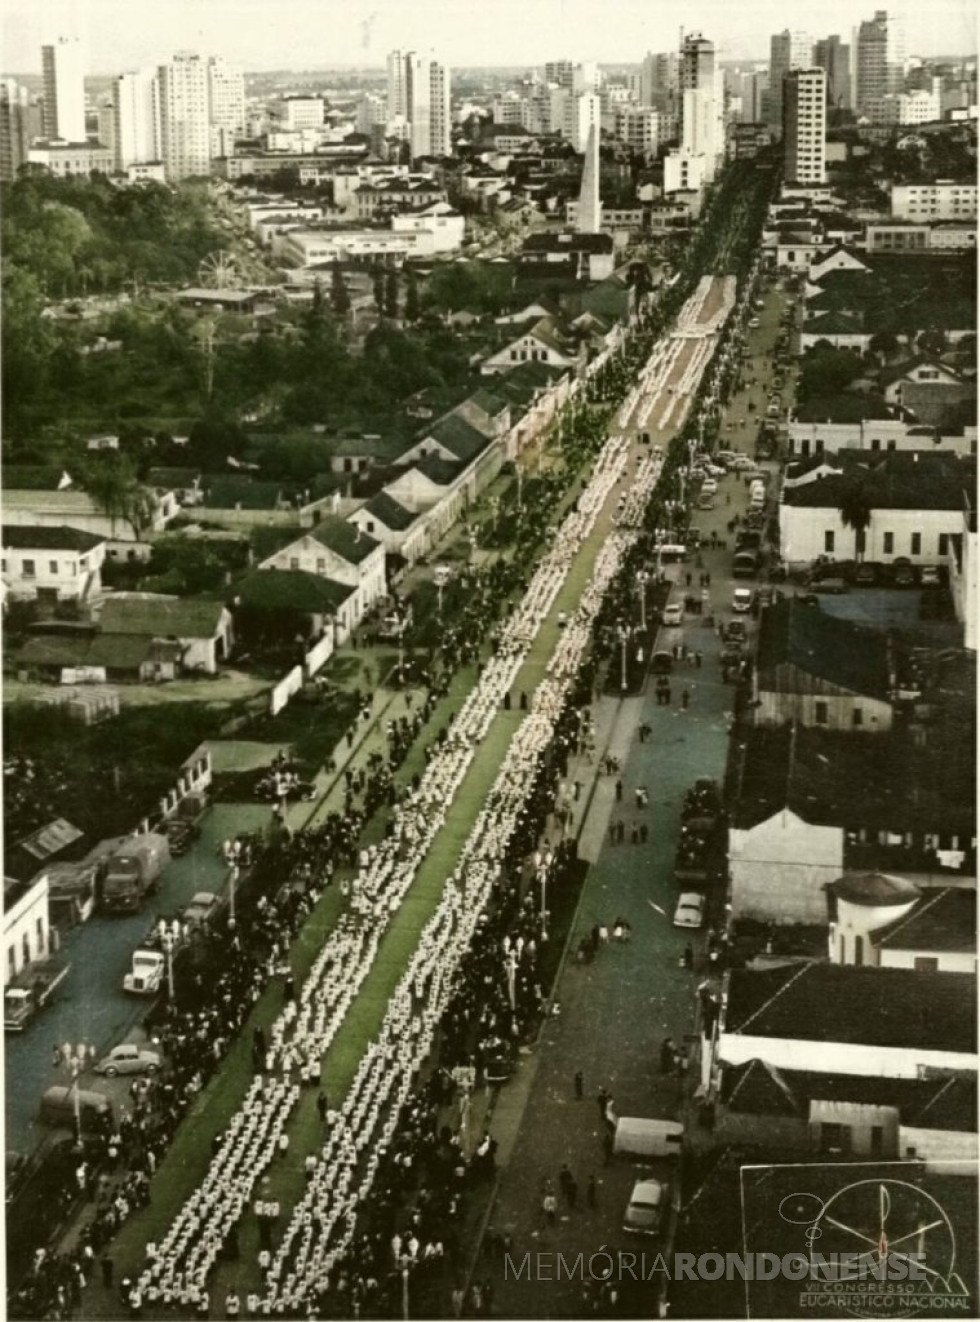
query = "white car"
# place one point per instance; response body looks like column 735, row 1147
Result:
column 646, row 1208
column 673, row 615
column 742, row 600
column 690, row 910
column 709, row 486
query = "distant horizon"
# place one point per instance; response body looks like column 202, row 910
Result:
column 513, row 34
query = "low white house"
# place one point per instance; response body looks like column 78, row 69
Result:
column 202, row 628
column 334, row 549
column 77, row 509
column 52, row 563
column 916, row 505
column 25, row 925
column 540, row 342
column 438, row 228
column 779, row 866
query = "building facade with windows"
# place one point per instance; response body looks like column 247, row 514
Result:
column 805, row 126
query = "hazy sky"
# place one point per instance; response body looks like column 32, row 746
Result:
column 303, row 34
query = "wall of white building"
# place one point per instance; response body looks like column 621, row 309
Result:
column 779, row 867
column 25, row 930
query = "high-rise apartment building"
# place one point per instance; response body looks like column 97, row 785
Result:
column 63, row 66
column 696, row 66
column 805, row 126
column 226, row 92
column 185, row 116
column 580, row 114
column 136, row 119
column 14, row 128
column 659, row 79
column 878, row 59
column 702, row 103
column 418, row 90
column 834, row 57
column 638, row 127
column 787, row 50
column 560, row 72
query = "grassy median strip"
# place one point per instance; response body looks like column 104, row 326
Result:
column 190, row 1154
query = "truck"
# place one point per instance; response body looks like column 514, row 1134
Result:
column 147, row 973
column 30, row 991
column 134, row 871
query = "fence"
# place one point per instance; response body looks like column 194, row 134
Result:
column 318, row 653
column 195, row 777
column 285, row 689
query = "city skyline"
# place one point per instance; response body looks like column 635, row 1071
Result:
column 118, row 35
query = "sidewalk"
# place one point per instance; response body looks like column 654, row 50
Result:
column 616, row 1011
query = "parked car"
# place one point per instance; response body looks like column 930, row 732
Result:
column 742, row 599
column 866, row 574
column 690, row 910
column 646, row 1208
column 829, row 586
column 673, row 615
column 202, row 908
column 929, row 576
column 709, row 486
column 903, row 575
column 662, row 663
column 128, row 1058
column 737, row 631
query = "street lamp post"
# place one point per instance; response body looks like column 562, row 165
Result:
column 170, row 933
column 232, row 883
column 510, row 968
column 624, row 634
column 75, row 1055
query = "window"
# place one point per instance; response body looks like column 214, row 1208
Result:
column 26, row 940
column 858, row 951
column 52, row 566
column 876, row 444
column 321, row 565
column 294, row 562
column 820, row 713
column 857, row 716
column 925, row 964
column 943, row 547
column 828, row 540
column 916, row 546
column 11, row 961
column 888, row 543
column 370, row 525
column 835, row 1138
column 28, row 568
column 40, row 936
column 877, row 1138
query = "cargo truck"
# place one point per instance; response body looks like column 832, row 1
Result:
column 134, row 871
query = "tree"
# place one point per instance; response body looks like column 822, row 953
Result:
column 932, row 341
column 854, row 507
column 115, row 488
column 411, row 294
column 884, row 343
column 339, row 296
column 391, row 293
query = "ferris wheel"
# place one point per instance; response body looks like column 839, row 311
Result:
column 220, row 270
